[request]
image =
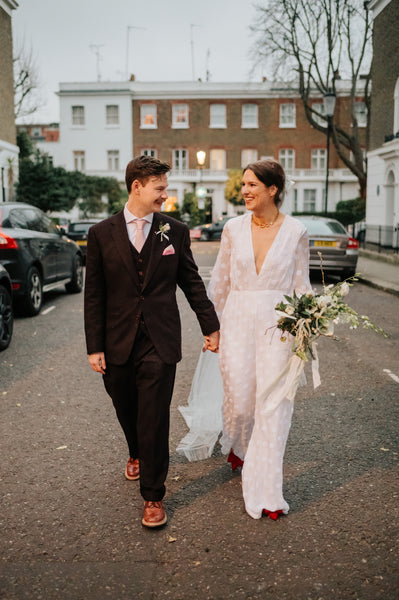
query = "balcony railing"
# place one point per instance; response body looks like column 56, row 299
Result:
column 222, row 174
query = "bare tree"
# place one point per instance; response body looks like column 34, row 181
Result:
column 27, row 97
column 313, row 44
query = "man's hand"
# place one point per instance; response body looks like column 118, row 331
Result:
column 97, row 362
column 211, row 342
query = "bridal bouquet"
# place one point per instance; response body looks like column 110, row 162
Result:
column 310, row 316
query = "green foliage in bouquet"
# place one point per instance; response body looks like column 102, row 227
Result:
column 310, row 316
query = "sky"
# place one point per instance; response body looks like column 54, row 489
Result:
column 167, row 40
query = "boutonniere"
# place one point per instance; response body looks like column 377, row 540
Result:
column 163, row 228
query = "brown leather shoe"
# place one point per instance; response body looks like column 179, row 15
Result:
column 154, row 514
column 132, row 471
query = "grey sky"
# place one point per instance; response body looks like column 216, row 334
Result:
column 60, row 33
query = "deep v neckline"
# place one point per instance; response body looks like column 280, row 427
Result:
column 268, row 252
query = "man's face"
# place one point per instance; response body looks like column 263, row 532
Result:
column 150, row 196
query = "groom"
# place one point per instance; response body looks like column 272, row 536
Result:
column 135, row 260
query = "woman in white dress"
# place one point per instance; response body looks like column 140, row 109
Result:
column 263, row 255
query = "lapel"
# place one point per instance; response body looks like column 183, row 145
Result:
column 121, row 242
column 156, row 246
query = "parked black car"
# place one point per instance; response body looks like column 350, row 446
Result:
column 37, row 255
column 213, row 231
column 6, row 314
column 78, row 231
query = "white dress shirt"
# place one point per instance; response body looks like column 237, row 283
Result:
column 131, row 219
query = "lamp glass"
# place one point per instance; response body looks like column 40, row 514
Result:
column 201, row 155
column 329, row 104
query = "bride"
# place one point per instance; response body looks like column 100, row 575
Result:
column 263, row 255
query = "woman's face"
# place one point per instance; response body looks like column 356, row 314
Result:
column 256, row 194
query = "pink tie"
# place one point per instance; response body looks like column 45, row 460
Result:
column 140, row 239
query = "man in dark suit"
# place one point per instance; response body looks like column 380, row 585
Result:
column 135, row 260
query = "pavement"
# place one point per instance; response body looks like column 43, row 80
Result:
column 379, row 270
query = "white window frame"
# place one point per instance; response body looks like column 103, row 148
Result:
column 112, row 114
column 78, row 115
column 217, row 159
column 287, row 115
column 149, row 152
column 309, row 200
column 249, row 115
column 360, row 111
column 318, row 159
column 180, row 111
column 79, row 160
column 248, row 156
column 286, row 158
column 180, row 159
column 217, row 116
column 113, row 160
column 148, row 110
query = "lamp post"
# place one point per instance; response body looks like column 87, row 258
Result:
column 329, row 99
column 201, row 192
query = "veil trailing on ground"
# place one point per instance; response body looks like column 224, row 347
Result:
column 203, row 414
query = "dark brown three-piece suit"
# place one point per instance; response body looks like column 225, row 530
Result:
column 131, row 315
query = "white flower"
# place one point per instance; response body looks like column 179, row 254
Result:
column 290, row 310
column 344, row 289
column 163, row 228
column 323, row 301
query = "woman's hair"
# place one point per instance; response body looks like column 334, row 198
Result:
column 270, row 172
column 142, row 168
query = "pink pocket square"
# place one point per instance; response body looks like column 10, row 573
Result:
column 168, row 250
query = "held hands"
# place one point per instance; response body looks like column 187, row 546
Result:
column 211, row 342
column 97, row 362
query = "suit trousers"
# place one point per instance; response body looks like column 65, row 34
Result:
column 141, row 391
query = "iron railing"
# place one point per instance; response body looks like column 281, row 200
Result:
column 379, row 237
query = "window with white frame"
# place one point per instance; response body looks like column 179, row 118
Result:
column 295, row 200
column 148, row 116
column 180, row 159
column 309, row 200
column 218, row 160
column 180, row 116
column 360, row 111
column 149, row 152
column 78, row 115
column 217, row 116
column 112, row 114
column 249, row 116
column 286, row 157
column 113, row 160
column 79, row 160
column 248, row 156
column 318, row 158
column 319, row 107
column 288, row 115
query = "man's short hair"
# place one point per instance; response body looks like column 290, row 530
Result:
column 142, row 168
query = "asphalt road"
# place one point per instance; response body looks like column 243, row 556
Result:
column 71, row 524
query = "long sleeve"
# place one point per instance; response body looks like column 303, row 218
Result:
column 219, row 286
column 301, row 269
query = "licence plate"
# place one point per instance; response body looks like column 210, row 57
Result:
column 81, row 242
column 324, row 243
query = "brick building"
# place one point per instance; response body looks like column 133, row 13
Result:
column 383, row 156
column 102, row 125
column 8, row 147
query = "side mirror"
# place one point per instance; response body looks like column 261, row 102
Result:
column 62, row 230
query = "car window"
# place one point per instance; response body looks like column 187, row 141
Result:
column 33, row 219
column 47, row 224
column 16, row 219
column 315, row 227
column 79, row 227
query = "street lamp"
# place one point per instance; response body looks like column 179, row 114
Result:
column 201, row 192
column 329, row 99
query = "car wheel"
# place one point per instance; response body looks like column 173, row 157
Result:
column 205, row 236
column 33, row 300
column 6, row 318
column 76, row 284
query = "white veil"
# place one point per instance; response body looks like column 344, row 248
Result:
column 203, row 414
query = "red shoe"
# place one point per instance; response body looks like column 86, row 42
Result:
column 234, row 460
column 272, row 515
column 132, row 471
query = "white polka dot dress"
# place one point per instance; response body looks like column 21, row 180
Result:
column 251, row 352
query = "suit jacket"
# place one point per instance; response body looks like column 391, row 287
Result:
column 115, row 299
